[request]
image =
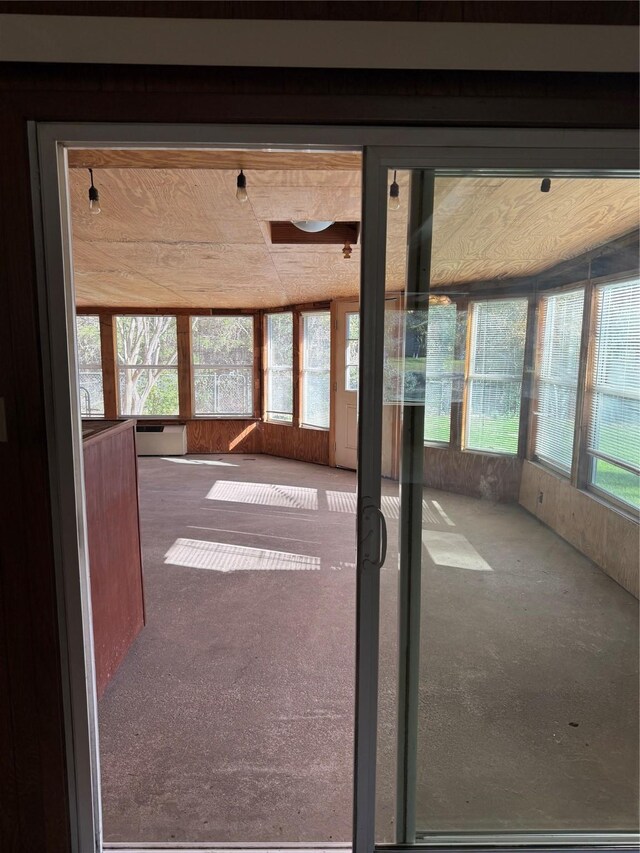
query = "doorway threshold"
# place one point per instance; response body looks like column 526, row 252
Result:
column 200, row 846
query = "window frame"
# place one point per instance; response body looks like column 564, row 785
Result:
column 469, row 377
column 303, row 371
column 266, row 367
column 118, row 366
column 193, row 367
column 586, row 457
column 97, row 367
column 531, row 455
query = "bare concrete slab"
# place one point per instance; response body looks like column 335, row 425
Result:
column 231, row 720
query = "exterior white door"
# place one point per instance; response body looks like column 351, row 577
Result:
column 347, row 332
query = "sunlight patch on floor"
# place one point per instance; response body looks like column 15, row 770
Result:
column 182, row 461
column 222, row 557
column 454, row 551
column 268, row 494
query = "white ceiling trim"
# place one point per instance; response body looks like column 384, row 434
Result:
column 318, row 44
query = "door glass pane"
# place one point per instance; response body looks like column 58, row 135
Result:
column 508, row 657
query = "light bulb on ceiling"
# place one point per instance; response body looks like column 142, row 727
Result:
column 94, row 196
column 241, row 191
column 394, row 194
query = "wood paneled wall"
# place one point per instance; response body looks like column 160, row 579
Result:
column 604, row 534
column 34, row 809
column 481, row 475
column 254, row 436
column 113, row 532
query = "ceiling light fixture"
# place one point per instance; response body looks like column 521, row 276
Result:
column 346, row 251
column 312, row 226
column 94, row 196
column 394, row 194
column 241, row 191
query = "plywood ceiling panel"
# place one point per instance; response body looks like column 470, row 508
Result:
column 177, row 237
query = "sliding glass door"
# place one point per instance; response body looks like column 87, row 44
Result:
column 498, row 586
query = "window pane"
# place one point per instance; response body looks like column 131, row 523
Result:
column 615, row 414
column 315, row 399
column 223, row 392
column 558, row 361
column 495, row 376
column 623, row 485
column 441, row 337
column 222, row 341
column 89, row 367
column 316, row 360
column 280, row 367
column 142, row 343
column 352, row 351
column 222, row 350
column 146, row 340
column 493, row 417
column 317, row 341
column 148, row 391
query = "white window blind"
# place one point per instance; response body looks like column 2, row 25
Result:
column 279, row 369
column 316, row 361
column 494, row 382
column 222, row 352
column 89, row 366
column 614, row 434
column 557, row 370
column 439, row 373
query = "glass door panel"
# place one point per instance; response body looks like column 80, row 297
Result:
column 508, row 623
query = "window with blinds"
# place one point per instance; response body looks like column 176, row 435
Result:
column 494, row 380
column 557, row 377
column 439, row 374
column 614, row 433
column 315, row 374
column 279, row 367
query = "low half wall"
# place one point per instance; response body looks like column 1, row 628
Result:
column 605, row 535
column 480, row 475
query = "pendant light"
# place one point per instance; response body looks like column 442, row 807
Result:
column 94, row 197
column 394, row 194
column 241, row 185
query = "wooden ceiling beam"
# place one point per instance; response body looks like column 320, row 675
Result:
column 158, row 158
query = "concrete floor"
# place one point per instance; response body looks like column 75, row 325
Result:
column 231, row 718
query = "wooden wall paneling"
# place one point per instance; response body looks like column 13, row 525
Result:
column 481, row 475
column 297, row 368
column 185, row 366
column 301, row 443
column 223, row 436
column 113, row 532
column 108, row 350
column 602, row 533
column 528, row 367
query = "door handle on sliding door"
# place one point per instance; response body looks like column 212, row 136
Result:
column 373, row 532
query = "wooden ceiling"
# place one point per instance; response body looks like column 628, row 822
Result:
column 172, row 234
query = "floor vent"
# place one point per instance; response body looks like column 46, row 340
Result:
column 160, row 440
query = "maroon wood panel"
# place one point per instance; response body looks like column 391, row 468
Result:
column 301, row 443
column 34, row 811
column 113, row 531
column 481, row 475
column 223, row 436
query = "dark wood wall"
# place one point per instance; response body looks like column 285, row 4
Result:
column 34, row 813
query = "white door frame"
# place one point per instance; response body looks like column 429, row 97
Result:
column 554, row 151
